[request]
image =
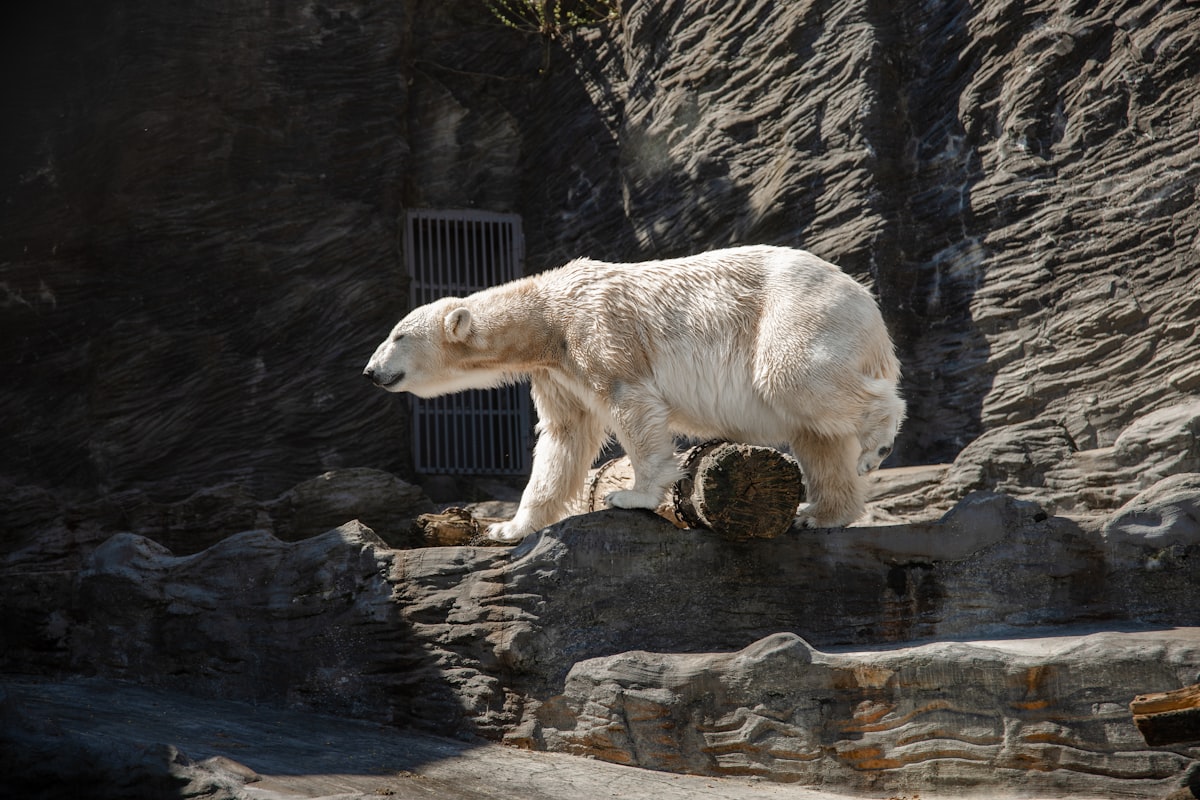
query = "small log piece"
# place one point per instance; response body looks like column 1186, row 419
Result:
column 455, row 527
column 1168, row 717
column 737, row 490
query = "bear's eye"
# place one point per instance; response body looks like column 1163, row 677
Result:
column 397, row 337
column 885, row 451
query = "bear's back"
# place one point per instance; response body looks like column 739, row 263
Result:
column 718, row 293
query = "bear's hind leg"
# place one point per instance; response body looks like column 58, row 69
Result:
column 836, row 493
column 641, row 427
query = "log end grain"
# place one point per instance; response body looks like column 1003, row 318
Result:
column 1168, row 717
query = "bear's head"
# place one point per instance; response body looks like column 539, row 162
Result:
column 879, row 425
column 437, row 349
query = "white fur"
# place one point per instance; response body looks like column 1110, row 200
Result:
column 761, row 345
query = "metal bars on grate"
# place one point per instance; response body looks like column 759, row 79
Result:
column 455, row 253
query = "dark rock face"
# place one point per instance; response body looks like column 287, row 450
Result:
column 198, row 243
column 47, row 545
column 379, row 500
column 1040, row 461
column 149, row 613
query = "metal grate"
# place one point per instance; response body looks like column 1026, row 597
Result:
column 454, row 253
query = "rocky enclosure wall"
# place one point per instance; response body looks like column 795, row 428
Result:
column 201, row 236
column 1019, row 181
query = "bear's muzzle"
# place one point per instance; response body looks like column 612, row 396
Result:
column 381, row 379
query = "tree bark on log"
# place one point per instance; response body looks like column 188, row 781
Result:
column 737, row 490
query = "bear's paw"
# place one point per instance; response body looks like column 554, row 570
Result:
column 630, row 498
column 509, row 532
column 812, row 515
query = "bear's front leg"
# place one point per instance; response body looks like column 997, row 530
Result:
column 568, row 438
column 641, row 427
column 836, row 492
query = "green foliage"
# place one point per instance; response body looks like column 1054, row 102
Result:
column 550, row 18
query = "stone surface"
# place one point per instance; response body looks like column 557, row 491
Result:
column 490, row 641
column 88, row 738
column 1042, row 462
column 199, row 238
column 971, row 713
column 251, row 617
column 40, row 757
column 46, row 544
column 377, row 499
column 206, row 517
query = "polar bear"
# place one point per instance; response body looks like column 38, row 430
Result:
column 758, row 345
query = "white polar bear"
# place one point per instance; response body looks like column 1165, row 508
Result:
column 759, row 345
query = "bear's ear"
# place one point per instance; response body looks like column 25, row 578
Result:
column 458, row 325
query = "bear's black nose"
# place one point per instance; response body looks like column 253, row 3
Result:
column 369, row 374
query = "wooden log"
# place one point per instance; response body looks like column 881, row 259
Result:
column 739, row 491
column 1168, row 717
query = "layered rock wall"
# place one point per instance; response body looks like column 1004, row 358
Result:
column 1018, row 182
column 995, row 714
column 202, row 241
